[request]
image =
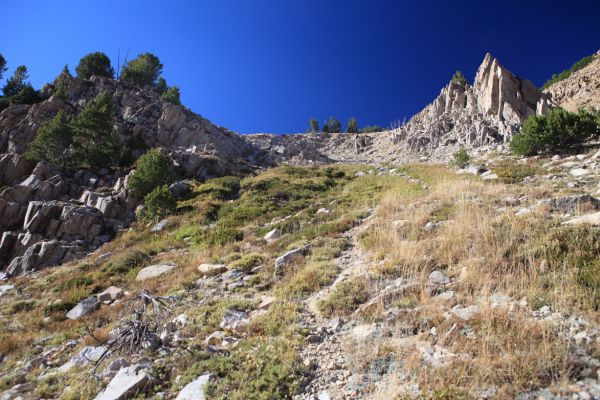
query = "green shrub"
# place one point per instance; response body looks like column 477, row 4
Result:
column 151, row 170
column 158, row 204
column 557, row 131
column 566, row 73
column 17, row 82
column 459, row 78
column 268, row 367
column 461, row 158
column 247, row 262
column 96, row 63
column 345, row 298
column 172, row 95
column 143, row 70
column 512, row 172
column 352, row 126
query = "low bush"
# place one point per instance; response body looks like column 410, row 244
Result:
column 512, row 172
column 557, row 131
column 345, row 298
column 158, row 204
column 153, row 169
column 461, row 158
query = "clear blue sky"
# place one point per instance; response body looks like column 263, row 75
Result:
column 270, row 65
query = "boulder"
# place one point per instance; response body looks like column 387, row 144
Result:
column 160, row 226
column 234, row 321
column 153, row 271
column 112, row 293
column 588, row 219
column 44, row 253
column 287, row 258
column 195, row 389
column 438, row 278
column 87, row 355
column 273, row 235
column 572, row 204
column 180, row 189
column 127, row 383
column 211, row 269
column 84, row 308
column 4, row 289
column 465, row 313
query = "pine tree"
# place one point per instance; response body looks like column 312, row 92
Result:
column 334, row 125
column 96, row 143
column 96, row 63
column 325, row 127
column 2, row 66
column 161, row 85
column 352, row 126
column 17, row 82
column 314, row 125
column 53, row 141
column 143, row 70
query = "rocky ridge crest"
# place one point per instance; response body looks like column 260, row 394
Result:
column 50, row 215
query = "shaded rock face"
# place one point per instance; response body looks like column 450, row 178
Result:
column 50, row 215
column 580, row 90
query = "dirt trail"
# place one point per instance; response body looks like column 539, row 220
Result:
column 324, row 351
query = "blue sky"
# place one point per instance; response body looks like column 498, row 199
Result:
column 270, row 65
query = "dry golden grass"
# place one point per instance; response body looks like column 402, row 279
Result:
column 486, row 250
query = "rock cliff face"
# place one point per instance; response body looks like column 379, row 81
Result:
column 49, row 215
column 581, row 89
column 489, row 111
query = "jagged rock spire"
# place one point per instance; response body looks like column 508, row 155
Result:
column 489, row 111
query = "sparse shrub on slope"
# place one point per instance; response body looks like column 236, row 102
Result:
column 172, row 95
column 96, row 63
column 158, row 204
column 557, row 131
column 372, row 129
column 143, row 70
column 152, row 170
column 459, row 78
column 461, row 158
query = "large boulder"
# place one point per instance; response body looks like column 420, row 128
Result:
column 127, row 383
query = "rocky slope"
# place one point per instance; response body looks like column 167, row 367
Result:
column 49, row 215
column 581, row 89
